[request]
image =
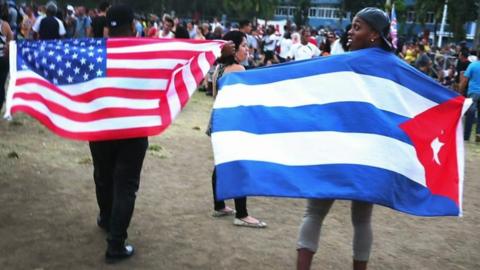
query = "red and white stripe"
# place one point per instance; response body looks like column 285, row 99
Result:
column 148, row 82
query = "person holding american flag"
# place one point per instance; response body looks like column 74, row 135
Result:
column 117, row 164
column 113, row 92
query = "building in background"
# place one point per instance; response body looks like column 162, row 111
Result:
column 328, row 14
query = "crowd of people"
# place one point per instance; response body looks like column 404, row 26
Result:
column 267, row 43
column 255, row 45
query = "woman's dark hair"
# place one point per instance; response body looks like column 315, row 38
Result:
column 237, row 38
column 104, row 6
column 344, row 37
column 181, row 32
column 4, row 11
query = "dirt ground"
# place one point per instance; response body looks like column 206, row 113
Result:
column 48, row 211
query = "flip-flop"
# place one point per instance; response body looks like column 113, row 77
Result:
column 259, row 224
column 223, row 213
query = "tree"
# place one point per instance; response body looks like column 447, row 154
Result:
column 422, row 9
column 476, row 42
column 241, row 9
column 300, row 17
column 354, row 6
column 460, row 12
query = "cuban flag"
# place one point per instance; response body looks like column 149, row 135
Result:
column 359, row 126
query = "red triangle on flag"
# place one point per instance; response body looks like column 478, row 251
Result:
column 433, row 134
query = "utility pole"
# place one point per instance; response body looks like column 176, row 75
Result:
column 388, row 5
column 442, row 26
column 476, row 41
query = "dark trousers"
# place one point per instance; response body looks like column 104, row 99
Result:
column 117, row 165
column 240, row 203
column 4, row 66
column 471, row 115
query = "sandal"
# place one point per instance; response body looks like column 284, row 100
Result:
column 241, row 222
column 223, row 212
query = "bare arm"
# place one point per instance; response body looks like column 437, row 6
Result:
column 214, row 82
column 8, row 33
column 89, row 32
column 229, row 69
column 463, row 83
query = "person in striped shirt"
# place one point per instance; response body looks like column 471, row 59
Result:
column 6, row 35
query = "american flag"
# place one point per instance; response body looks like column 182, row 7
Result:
column 100, row 89
column 393, row 27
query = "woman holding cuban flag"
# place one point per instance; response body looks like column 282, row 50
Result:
column 370, row 27
column 228, row 64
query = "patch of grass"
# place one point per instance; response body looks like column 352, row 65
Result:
column 85, row 161
column 158, row 151
column 16, row 123
column 13, row 154
column 155, row 147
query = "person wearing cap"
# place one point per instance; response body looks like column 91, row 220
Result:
column 117, row 165
column 70, row 22
column 370, row 27
column 49, row 26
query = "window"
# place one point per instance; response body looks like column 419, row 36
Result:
column 324, row 12
column 328, row 13
column 410, row 16
column 291, row 11
column 321, row 13
column 336, row 13
column 430, row 17
column 281, row 11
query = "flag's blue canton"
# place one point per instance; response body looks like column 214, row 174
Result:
column 66, row 61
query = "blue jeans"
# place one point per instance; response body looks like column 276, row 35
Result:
column 470, row 116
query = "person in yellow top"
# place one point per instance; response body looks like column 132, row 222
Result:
column 410, row 54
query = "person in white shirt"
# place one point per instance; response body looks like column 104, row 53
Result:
column 216, row 24
column 285, row 44
column 304, row 49
column 245, row 26
column 167, row 28
column 339, row 46
column 269, row 44
column 48, row 26
column 192, row 30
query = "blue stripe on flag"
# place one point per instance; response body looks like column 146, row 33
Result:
column 354, row 182
column 340, row 116
column 361, row 61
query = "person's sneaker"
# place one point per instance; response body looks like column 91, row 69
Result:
column 114, row 255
